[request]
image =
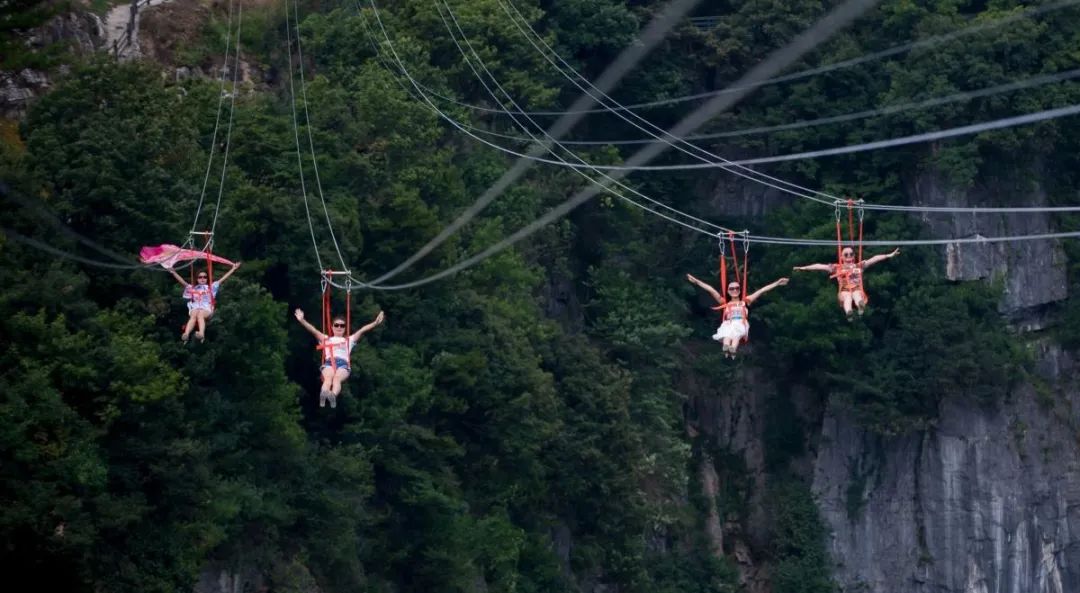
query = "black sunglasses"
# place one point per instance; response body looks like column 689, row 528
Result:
column 202, row 277
column 339, row 325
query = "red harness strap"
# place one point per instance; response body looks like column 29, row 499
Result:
column 208, row 251
column 843, row 274
column 328, row 319
column 725, row 305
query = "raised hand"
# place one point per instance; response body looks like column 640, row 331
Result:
column 299, row 313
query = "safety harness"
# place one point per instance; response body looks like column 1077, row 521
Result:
column 732, row 310
column 850, row 277
column 326, row 346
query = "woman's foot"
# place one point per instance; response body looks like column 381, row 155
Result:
column 333, row 400
column 200, row 337
column 184, row 337
column 323, row 396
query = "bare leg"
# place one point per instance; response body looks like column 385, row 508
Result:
column 335, row 388
column 190, row 326
column 339, row 380
column 731, row 345
column 845, row 302
column 201, row 315
column 859, row 298
column 327, row 382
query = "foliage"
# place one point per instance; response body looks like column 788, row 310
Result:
column 798, row 540
column 521, row 426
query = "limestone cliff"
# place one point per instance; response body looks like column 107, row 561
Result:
column 987, row 501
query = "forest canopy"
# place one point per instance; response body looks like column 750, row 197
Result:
column 525, row 425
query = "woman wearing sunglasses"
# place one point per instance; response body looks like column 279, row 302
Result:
column 337, row 350
column 736, row 325
column 200, row 297
column 849, row 275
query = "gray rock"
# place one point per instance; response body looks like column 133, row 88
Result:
column 12, row 92
column 1033, row 271
column 17, row 90
column 733, row 196
column 988, row 501
column 83, row 30
column 221, row 579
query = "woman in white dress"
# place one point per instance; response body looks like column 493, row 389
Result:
column 735, row 325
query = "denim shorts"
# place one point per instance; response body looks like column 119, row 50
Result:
column 340, row 362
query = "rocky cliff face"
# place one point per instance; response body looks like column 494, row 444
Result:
column 1033, row 271
column 82, row 31
column 987, row 501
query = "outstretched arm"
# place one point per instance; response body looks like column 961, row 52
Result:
column 178, row 277
column 299, row 313
column 814, row 268
column 882, row 257
column 365, row 329
column 712, row 291
column 229, row 273
column 751, row 298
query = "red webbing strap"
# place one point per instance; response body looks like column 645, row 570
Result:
column 850, row 221
column 860, row 234
column 210, row 275
column 325, row 308
column 745, row 280
column 734, row 262
column 348, row 319
column 862, row 275
column 327, row 322
column 723, row 274
column 745, row 263
column 839, row 239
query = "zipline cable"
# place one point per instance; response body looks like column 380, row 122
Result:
column 217, row 121
column 523, row 26
column 420, row 98
column 997, row 124
column 296, row 136
column 809, row 193
column 311, row 142
column 653, row 211
column 778, row 60
column 978, row 239
column 891, row 51
column 228, row 129
column 525, row 128
column 48, row 216
column 654, row 32
column 633, row 118
column 1008, row 122
column 45, row 247
column 1027, row 83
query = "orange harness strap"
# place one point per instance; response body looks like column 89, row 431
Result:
column 843, row 276
column 741, row 278
column 328, row 319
